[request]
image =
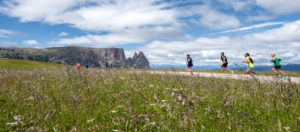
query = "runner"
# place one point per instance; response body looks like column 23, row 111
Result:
column 250, row 66
column 87, row 65
column 277, row 66
column 225, row 63
column 77, row 66
column 189, row 63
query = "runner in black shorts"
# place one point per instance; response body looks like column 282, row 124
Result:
column 225, row 63
column 277, row 66
column 189, row 62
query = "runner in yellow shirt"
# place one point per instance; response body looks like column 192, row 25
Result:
column 250, row 66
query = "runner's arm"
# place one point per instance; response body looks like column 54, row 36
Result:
column 247, row 60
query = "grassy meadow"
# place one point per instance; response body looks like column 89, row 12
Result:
column 24, row 64
column 67, row 99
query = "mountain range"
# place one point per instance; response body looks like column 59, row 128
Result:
column 95, row 57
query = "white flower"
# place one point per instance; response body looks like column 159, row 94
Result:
column 115, row 130
column 12, row 123
column 17, row 118
column 152, row 104
column 172, row 93
column 153, row 123
column 91, row 120
column 286, row 128
column 179, row 98
column 151, row 85
column 31, row 128
column 113, row 111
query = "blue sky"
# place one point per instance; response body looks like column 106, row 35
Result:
column 165, row 30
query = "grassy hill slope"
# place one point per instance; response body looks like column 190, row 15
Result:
column 23, row 64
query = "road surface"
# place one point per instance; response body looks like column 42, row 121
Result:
column 267, row 79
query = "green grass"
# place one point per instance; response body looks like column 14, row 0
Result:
column 106, row 100
column 24, row 64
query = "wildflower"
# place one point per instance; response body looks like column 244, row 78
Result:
column 172, row 93
column 151, row 85
column 183, row 103
column 152, row 104
column 286, row 128
column 227, row 103
column 17, row 118
column 179, row 98
column 115, row 130
column 113, row 111
column 153, row 123
column 91, row 120
column 163, row 100
column 12, row 123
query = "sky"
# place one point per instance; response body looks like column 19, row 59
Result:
column 165, row 30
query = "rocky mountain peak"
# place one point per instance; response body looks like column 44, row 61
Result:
column 140, row 61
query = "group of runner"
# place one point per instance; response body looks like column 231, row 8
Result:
column 249, row 62
column 78, row 66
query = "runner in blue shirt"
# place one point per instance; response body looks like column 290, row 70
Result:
column 189, row 62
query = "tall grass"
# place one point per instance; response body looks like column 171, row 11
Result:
column 119, row 100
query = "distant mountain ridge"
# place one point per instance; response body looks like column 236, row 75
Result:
column 95, row 57
column 287, row 67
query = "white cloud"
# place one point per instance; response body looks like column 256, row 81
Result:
column 262, row 25
column 283, row 41
column 117, row 17
column 238, row 5
column 131, row 36
column 209, row 18
column 6, row 33
column 280, row 7
column 259, row 18
column 30, row 42
column 124, row 21
column 4, row 43
column 92, row 15
column 63, row 34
